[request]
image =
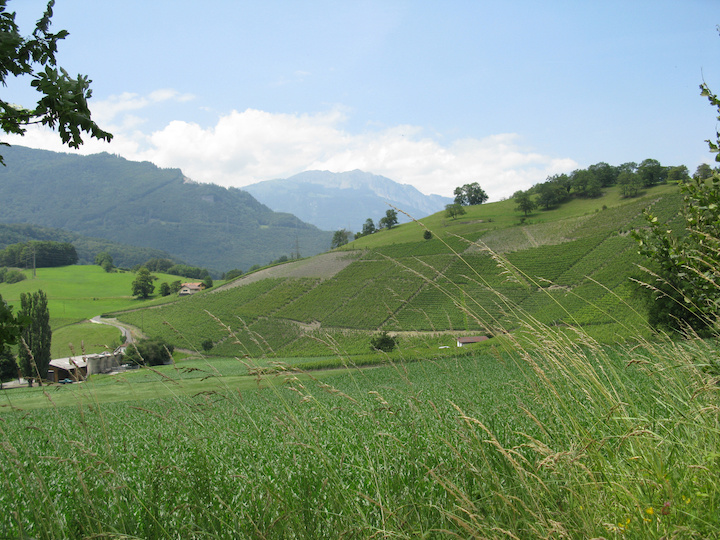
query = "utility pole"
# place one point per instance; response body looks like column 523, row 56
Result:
column 297, row 240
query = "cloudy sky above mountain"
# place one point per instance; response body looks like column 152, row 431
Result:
column 433, row 94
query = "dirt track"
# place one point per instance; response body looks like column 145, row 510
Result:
column 323, row 266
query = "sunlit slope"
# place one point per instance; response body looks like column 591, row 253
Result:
column 78, row 293
column 484, row 272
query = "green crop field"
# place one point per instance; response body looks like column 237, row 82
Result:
column 562, row 439
column 483, row 272
column 477, row 273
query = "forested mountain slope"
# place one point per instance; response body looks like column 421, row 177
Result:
column 124, row 255
column 140, row 204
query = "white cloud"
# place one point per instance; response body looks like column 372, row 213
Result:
column 249, row 146
column 106, row 112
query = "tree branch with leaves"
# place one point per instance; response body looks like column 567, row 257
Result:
column 685, row 268
column 63, row 100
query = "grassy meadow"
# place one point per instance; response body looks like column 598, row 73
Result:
column 79, row 293
column 573, row 421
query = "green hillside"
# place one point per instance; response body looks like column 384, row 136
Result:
column 483, row 273
column 77, row 294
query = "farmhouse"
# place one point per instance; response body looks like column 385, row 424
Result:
column 462, row 341
column 78, row 368
column 191, row 288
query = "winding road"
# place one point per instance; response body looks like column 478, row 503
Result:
column 126, row 329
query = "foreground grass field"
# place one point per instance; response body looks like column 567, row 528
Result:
column 542, row 437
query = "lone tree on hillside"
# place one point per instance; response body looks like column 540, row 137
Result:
column 63, row 100
column 703, row 172
column 470, row 194
column 525, row 203
column 105, row 260
column 368, row 227
column 454, row 210
column 34, row 350
column 340, row 238
column 389, row 220
column 143, row 286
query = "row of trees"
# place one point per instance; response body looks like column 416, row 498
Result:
column 588, row 183
column 30, row 328
column 343, row 236
column 39, row 254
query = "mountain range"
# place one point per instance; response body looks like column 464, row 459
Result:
column 126, row 203
column 137, row 203
column 333, row 201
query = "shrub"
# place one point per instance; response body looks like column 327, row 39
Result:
column 150, row 352
column 14, row 276
column 383, row 342
column 232, row 274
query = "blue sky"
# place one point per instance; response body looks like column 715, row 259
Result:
column 433, row 94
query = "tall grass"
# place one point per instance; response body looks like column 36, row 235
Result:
column 545, row 434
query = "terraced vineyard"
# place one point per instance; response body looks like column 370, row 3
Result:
column 567, row 271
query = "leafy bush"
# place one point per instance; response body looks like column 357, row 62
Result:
column 11, row 275
column 232, row 274
column 150, row 352
column 105, row 260
column 383, row 342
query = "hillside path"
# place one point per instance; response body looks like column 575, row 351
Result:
column 125, row 329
